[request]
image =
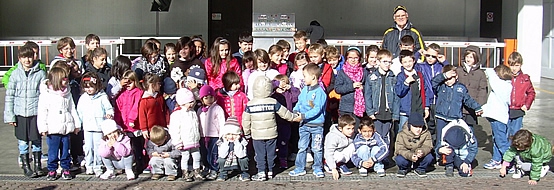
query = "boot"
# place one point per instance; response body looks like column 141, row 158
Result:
column 198, row 174
column 26, row 166
column 38, row 163
column 187, row 176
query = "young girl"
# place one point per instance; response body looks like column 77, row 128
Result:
column 199, row 47
column 531, row 153
column 211, row 118
column 496, row 111
column 249, row 61
column 170, row 53
column 115, row 150
column 276, row 55
column 220, row 61
column 126, row 115
column 152, row 109
column 263, row 69
column 116, row 83
column 296, row 76
column 186, row 62
column 57, row 118
column 230, row 98
column 371, row 58
column 349, row 84
column 472, row 76
column 152, row 62
column 97, row 64
column 286, row 95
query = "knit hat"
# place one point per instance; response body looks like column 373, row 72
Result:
column 399, row 7
column 197, row 74
column 205, row 91
column 108, row 126
column 184, row 96
column 416, row 119
column 456, row 137
column 231, row 126
column 169, row 86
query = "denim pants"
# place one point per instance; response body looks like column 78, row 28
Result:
column 500, row 139
column 265, row 153
column 208, row 150
column 243, row 164
column 403, row 119
column 383, row 128
column 124, row 163
column 58, row 145
column 315, row 136
column 365, row 153
column 514, row 125
column 163, row 165
column 36, row 146
column 92, row 156
column 421, row 164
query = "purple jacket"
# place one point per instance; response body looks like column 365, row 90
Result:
column 121, row 148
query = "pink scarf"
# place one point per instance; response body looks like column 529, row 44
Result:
column 356, row 73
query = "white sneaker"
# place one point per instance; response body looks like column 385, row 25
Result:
column 518, row 173
column 130, row 174
column 544, row 170
column 107, row 175
column 89, row 171
column 309, row 157
column 269, row 175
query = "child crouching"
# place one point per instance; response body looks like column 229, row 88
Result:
column 370, row 148
column 338, row 147
column 458, row 148
column 163, row 154
column 413, row 146
column 115, row 150
column 232, row 151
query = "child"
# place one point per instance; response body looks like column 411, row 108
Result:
column 116, row 83
column 296, row 76
column 317, row 54
column 333, row 57
column 66, row 47
column 263, row 69
column 370, row 148
column 151, row 62
column 528, row 147
column 371, row 58
column 34, row 46
column 496, row 110
column 20, row 109
column 285, row 57
column 211, row 118
column 286, row 95
column 349, row 84
column 338, row 146
column 471, row 75
column 96, row 63
column 152, row 109
column 245, row 44
column 115, row 150
column 169, row 90
column 163, row 154
column 412, row 88
column 250, row 65
column 522, row 96
column 230, row 98
column 185, row 130
column 259, row 121
column 92, row 41
column 170, row 53
column 93, row 108
column 199, row 47
column 220, row 62
column 195, row 81
column 232, row 151
column 406, row 43
column 300, row 42
column 182, row 67
column 413, row 147
column 381, row 102
column 275, row 56
column 311, row 106
column 57, row 118
column 457, row 148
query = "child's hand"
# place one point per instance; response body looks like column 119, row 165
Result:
column 426, row 113
column 131, row 124
column 191, row 84
column 502, row 170
column 409, row 79
column 532, row 182
column 441, row 58
column 358, row 85
column 524, row 108
column 145, row 135
column 244, row 143
column 450, row 74
column 335, row 174
column 297, row 119
column 124, row 82
column 368, row 164
column 155, row 154
column 372, row 117
column 465, row 168
column 109, row 116
column 479, row 112
column 445, row 150
column 76, row 131
column 111, row 141
column 13, row 124
column 165, row 155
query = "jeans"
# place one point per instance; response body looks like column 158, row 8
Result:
column 383, row 128
column 514, row 125
column 403, row 119
column 36, row 146
column 92, row 156
column 421, row 164
column 243, row 164
column 315, row 134
column 125, row 163
column 185, row 155
column 208, row 149
column 500, row 139
column 365, row 153
column 441, row 123
column 264, row 151
column 163, row 165
column 58, row 145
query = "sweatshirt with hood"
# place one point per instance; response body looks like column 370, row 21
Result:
column 335, row 140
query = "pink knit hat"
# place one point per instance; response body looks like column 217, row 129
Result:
column 184, row 96
column 206, row 91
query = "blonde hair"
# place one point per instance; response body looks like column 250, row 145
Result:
column 316, row 48
column 332, row 52
column 158, row 135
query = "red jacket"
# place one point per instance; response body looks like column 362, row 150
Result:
column 523, row 92
column 232, row 106
column 152, row 111
column 214, row 80
column 327, row 77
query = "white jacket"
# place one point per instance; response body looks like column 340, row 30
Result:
column 92, row 110
column 498, row 102
column 239, row 149
column 56, row 111
column 184, row 129
column 211, row 121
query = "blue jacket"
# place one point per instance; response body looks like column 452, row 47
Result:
column 372, row 92
column 450, row 99
column 345, row 87
column 311, row 105
column 430, row 71
column 375, row 140
column 405, row 95
column 467, row 152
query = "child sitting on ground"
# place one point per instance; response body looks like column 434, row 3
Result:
column 338, row 146
column 163, row 154
column 458, row 148
column 413, row 147
column 232, row 151
column 370, row 147
column 115, row 150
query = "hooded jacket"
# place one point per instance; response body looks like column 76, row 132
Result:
column 468, row 150
column 22, row 93
column 93, row 109
column 168, row 147
column 476, row 83
column 498, row 103
column 215, row 80
column 184, row 127
column 540, row 153
column 375, row 141
column 126, row 111
column 121, row 148
column 152, row 111
column 450, row 99
column 259, row 117
column 407, row 143
column 334, row 141
column 56, row 111
column 391, row 38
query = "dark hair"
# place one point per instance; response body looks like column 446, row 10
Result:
column 91, row 79
column 284, row 44
column 313, row 69
column 522, row 139
column 170, row 46
column 406, row 53
column 181, row 43
column 91, row 37
column 245, row 37
column 447, row 68
column 371, row 48
column 230, row 78
column 148, row 49
column 155, row 41
column 119, row 66
column 248, row 56
column 32, row 45
column 26, row 51
column 97, row 52
column 261, row 54
column 407, row 40
column 300, row 35
column 346, row 119
column 504, row 72
column 216, row 58
column 198, row 38
column 150, row 79
column 366, row 121
column 55, row 77
column 64, row 42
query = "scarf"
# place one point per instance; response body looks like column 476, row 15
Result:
column 356, row 73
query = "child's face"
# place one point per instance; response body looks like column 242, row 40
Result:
column 408, row 63
column 67, row 51
column 113, row 135
column 372, row 58
column 262, row 66
column 285, row 54
column 152, row 58
column 300, row 44
column 334, row 62
column 245, row 46
column 198, row 46
column 316, row 57
column 130, row 85
column 276, row 58
column 99, row 61
column 235, row 87
column 184, row 52
column 309, row 79
column 347, row 130
column 93, row 44
column 232, row 137
column 223, row 51
column 416, row 130
column 385, row 63
column 515, row 68
column 65, row 82
column 366, row 131
column 301, row 63
column 27, row 62
column 431, row 56
column 452, row 80
column 353, row 58
column 208, row 100
column 249, row 64
column 90, row 90
column 170, row 55
column 407, row 47
column 470, row 60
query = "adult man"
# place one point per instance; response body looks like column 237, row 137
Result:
column 401, row 27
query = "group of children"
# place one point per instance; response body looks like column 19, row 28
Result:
column 225, row 109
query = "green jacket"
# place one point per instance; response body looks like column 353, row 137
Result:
column 6, row 77
column 539, row 154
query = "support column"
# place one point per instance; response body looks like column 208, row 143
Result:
column 529, row 36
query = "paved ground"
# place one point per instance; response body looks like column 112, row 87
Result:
column 537, row 120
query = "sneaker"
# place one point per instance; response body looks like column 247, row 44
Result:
column 244, row 176
column 327, row 168
column 270, row 175
column 97, row 173
column 259, row 177
column 518, row 173
column 401, row 173
column 283, row 164
column 51, row 176
column 222, row 176
column 156, row 176
column 198, row 174
column 344, row 169
column 147, row 170
column 363, row 171
column 544, row 170
column 130, row 174
column 295, row 173
column 89, row 171
column 171, row 178
column 512, row 170
column 66, row 175
column 492, row 165
column 319, row 174
column 212, row 175
column 420, row 173
column 381, row 173
column 107, row 175
column 449, row 171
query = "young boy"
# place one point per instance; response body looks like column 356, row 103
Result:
column 92, row 41
column 522, row 96
column 259, row 121
column 406, row 43
column 245, row 44
column 413, row 147
column 382, row 104
column 311, row 106
column 333, row 58
column 42, row 66
column 232, row 151
column 338, row 146
column 300, row 42
column 458, row 148
column 316, row 53
column 371, row 149
column 21, row 108
column 163, row 154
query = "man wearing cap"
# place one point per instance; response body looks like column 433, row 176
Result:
column 401, row 27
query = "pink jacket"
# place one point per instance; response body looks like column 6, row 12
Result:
column 121, row 148
column 211, row 120
column 232, row 106
column 215, row 80
column 126, row 111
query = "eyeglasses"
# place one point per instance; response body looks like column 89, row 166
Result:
column 429, row 56
column 386, row 62
column 400, row 16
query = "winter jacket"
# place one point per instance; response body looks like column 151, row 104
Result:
column 103, row 73
column 238, row 55
column 391, row 38
column 375, row 141
column 185, row 129
column 450, row 99
column 92, row 110
column 269, row 73
column 215, row 80
column 475, row 82
column 539, row 154
column 168, row 147
column 239, row 149
column 311, row 106
column 334, row 141
column 403, row 92
column 126, row 109
column 467, row 152
column 232, row 105
column 56, row 111
column 160, row 68
column 407, row 143
column 327, row 77
column 345, row 87
column 152, row 111
column 6, row 77
column 497, row 106
column 372, row 93
column 121, row 148
column 430, row 71
column 259, row 117
column 22, row 93
column 523, row 92
column 211, row 120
